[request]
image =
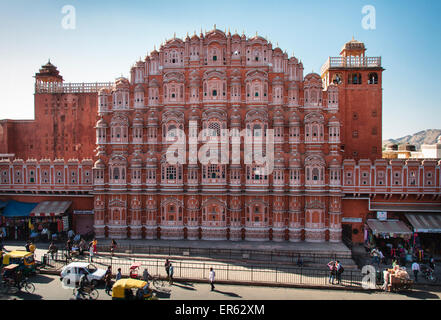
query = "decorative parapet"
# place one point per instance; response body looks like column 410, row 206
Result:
column 61, row 87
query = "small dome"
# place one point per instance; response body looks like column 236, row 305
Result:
column 139, row 88
column 122, row 82
column 99, row 164
column 101, row 123
column 103, row 92
column 353, row 45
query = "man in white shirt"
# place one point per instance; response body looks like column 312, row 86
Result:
column 415, row 269
column 211, row 278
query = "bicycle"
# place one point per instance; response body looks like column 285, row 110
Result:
column 157, row 282
column 9, row 284
column 88, row 293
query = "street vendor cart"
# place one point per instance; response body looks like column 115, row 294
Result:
column 398, row 280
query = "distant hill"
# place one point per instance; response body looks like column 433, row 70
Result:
column 428, row 136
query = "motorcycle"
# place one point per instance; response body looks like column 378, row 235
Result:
column 428, row 273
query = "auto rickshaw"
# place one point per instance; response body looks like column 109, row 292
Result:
column 10, row 272
column 134, row 270
column 132, row 289
column 24, row 259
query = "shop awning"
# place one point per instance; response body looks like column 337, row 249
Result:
column 405, row 207
column 388, row 227
column 426, row 223
column 14, row 209
column 50, row 208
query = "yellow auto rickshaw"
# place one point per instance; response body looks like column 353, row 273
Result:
column 132, row 289
column 24, row 259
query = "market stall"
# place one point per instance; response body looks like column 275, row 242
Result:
column 50, row 219
column 427, row 231
column 392, row 237
column 15, row 219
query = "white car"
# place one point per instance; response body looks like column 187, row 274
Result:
column 73, row 271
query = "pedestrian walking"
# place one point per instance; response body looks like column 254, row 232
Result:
column 339, row 270
column 375, row 257
column 108, row 280
column 211, row 278
column 113, row 247
column 171, row 272
column 94, row 243
column 432, row 263
column 167, row 267
column 118, row 275
column 68, row 247
column 415, row 269
column 145, row 275
column 52, row 249
column 332, row 271
column 91, row 252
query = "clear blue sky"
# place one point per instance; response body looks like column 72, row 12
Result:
column 111, row 35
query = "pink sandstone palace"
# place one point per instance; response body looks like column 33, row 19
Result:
column 102, row 146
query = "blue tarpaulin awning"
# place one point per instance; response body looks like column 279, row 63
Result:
column 17, row 209
column 3, row 204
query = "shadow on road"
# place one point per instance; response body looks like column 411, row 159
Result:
column 39, row 278
column 184, row 285
column 419, row 294
column 230, row 294
column 22, row 296
column 162, row 294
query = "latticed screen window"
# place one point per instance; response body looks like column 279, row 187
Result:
column 171, row 173
column 214, row 171
column 214, row 129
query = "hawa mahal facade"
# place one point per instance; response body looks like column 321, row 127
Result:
column 103, row 145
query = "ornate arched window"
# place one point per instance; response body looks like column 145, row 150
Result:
column 117, row 170
column 256, row 214
column 119, row 129
column 213, row 213
column 314, row 131
column 315, row 170
column 172, row 211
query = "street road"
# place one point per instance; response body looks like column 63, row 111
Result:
column 48, row 287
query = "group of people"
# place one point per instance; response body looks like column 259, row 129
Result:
column 335, row 271
column 169, row 269
column 75, row 246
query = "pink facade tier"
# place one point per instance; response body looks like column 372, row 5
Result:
column 325, row 144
